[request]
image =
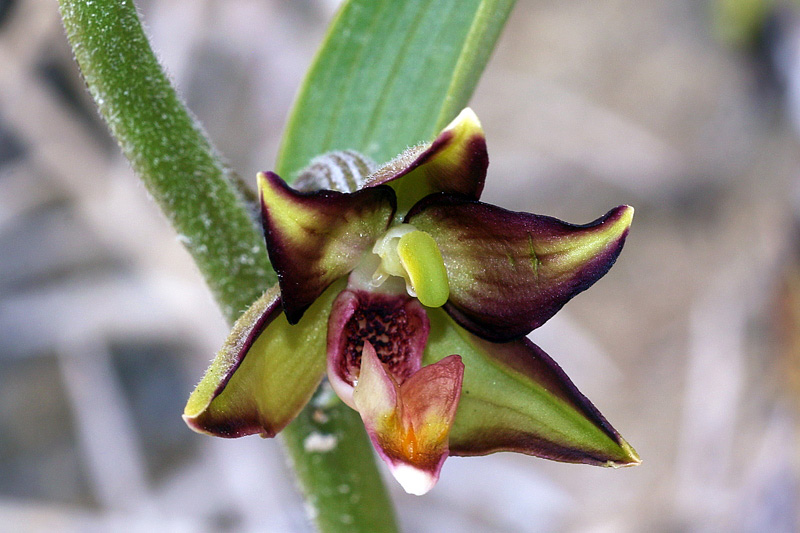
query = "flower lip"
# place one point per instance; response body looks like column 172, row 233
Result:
column 395, row 325
column 414, row 480
column 409, row 423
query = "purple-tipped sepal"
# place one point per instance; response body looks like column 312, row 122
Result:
column 510, row 272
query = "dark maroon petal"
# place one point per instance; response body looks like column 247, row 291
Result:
column 316, row 238
column 455, row 162
column 510, row 272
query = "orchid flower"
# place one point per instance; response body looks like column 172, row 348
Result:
column 415, row 298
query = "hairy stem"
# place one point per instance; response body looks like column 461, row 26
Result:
column 181, row 170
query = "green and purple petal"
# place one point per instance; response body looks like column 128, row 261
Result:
column 318, row 237
column 455, row 162
column 266, row 371
column 409, row 423
column 510, row 272
column 516, row 398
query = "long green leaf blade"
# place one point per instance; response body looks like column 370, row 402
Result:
column 390, row 74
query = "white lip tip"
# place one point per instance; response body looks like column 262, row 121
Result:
column 413, row 480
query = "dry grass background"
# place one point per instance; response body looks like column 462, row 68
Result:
column 689, row 345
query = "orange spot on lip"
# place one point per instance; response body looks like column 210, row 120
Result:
column 410, row 445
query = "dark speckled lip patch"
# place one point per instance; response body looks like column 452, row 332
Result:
column 395, row 325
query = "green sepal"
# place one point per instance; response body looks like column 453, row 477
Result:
column 515, row 398
column 266, row 371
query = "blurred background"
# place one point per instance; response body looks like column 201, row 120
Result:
column 688, row 110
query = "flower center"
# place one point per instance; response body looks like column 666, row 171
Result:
column 413, row 255
column 395, row 325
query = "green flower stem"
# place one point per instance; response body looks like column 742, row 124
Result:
column 350, row 499
column 199, row 195
column 168, row 150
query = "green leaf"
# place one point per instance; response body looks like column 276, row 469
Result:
column 390, row 75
